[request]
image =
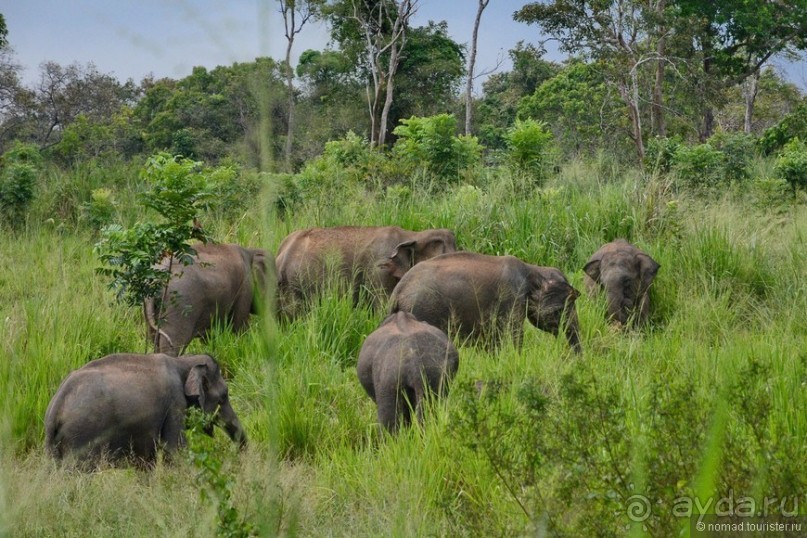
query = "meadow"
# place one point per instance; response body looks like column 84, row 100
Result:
column 705, row 403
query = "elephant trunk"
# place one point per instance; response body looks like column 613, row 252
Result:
column 573, row 331
column 617, row 307
column 232, row 425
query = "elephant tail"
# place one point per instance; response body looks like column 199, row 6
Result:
column 152, row 328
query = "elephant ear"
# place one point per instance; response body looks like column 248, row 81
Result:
column 195, row 384
column 259, row 266
column 592, row 269
column 433, row 247
column 648, row 267
column 401, row 259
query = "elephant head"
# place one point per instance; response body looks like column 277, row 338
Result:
column 206, row 389
column 625, row 273
column 550, row 304
column 422, row 246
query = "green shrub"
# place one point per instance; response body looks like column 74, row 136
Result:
column 738, row 149
column 231, row 188
column 791, row 165
column 660, row 153
column 430, row 144
column 18, row 174
column 344, row 165
column 770, row 192
column 793, row 125
column 699, row 167
column 530, row 147
column 99, row 211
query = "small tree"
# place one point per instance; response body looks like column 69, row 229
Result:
column 529, row 147
column 431, row 143
column 791, row 165
column 131, row 256
column 18, row 172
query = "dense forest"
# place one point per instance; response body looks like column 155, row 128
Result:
column 666, row 125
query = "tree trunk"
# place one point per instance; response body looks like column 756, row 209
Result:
column 750, row 88
column 659, row 125
column 290, row 87
column 471, row 64
column 707, row 128
column 629, row 91
column 382, row 124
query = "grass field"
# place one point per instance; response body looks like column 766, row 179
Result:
column 708, row 402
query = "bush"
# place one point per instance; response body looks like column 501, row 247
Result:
column 100, row 209
column 793, row 125
column 738, row 149
column 18, row 174
column 430, row 144
column 699, row 167
column 349, row 162
column 660, row 153
column 530, row 145
column 791, row 165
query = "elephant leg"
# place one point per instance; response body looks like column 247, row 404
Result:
column 175, row 337
column 419, row 399
column 387, row 399
column 172, row 433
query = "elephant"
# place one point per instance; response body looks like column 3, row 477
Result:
column 484, row 297
column 401, row 364
column 369, row 258
column 224, row 284
column 123, row 407
column 626, row 273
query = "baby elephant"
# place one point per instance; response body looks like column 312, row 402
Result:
column 125, row 406
column 625, row 272
column 401, row 363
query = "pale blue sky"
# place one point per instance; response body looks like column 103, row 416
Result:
column 170, row 37
column 167, row 38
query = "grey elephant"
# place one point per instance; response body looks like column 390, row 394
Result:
column 369, row 258
column 402, row 364
column 124, row 407
column 625, row 273
column 485, row 297
column 224, row 284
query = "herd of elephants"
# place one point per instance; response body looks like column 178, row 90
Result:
column 123, row 407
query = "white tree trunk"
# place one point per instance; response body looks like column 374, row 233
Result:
column 471, row 65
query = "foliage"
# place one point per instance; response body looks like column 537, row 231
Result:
column 791, row 165
column 530, row 146
column 431, row 144
column 504, row 91
column 216, row 484
column 100, row 210
column 791, row 126
column 87, row 138
column 738, row 150
column 19, row 170
column 661, row 153
column 431, row 69
column 129, row 256
column 700, row 167
column 344, row 165
column 578, row 106
column 193, row 117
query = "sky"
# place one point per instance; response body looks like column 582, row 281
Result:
column 167, row 38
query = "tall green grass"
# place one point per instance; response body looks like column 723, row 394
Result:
column 708, row 399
